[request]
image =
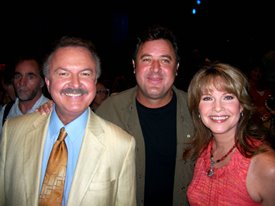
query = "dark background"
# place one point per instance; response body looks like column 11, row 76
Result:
column 237, row 32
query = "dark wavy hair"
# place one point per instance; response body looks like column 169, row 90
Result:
column 156, row 32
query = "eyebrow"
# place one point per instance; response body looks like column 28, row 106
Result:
column 66, row 69
column 161, row 56
column 27, row 73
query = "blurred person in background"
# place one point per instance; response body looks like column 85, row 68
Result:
column 28, row 84
column 102, row 92
column 8, row 93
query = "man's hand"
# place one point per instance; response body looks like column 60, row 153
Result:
column 45, row 108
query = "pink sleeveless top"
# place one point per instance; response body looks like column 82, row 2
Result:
column 226, row 187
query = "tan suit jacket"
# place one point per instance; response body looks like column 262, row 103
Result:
column 105, row 171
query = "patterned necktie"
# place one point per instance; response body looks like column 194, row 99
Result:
column 53, row 184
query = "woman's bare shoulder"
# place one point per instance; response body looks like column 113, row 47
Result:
column 261, row 177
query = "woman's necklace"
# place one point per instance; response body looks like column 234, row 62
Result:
column 210, row 172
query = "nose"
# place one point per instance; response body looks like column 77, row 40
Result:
column 75, row 81
column 22, row 80
column 217, row 106
column 155, row 66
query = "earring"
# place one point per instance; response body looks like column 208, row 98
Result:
column 134, row 71
column 241, row 114
column 199, row 116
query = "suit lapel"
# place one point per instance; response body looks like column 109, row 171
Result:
column 92, row 150
column 34, row 144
